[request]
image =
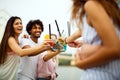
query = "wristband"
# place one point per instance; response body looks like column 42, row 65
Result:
column 65, row 40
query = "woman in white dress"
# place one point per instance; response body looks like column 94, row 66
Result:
column 10, row 49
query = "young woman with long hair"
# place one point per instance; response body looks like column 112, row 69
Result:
column 100, row 22
column 10, row 49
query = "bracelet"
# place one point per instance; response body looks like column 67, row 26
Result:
column 65, row 40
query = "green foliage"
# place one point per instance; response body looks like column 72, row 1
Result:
column 64, row 62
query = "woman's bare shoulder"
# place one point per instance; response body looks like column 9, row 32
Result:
column 91, row 5
column 11, row 39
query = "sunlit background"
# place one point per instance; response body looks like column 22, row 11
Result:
column 47, row 11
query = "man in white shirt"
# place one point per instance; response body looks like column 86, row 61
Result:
column 28, row 64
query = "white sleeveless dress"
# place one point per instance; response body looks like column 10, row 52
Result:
column 9, row 68
column 110, row 71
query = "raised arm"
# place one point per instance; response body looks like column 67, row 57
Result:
column 74, row 36
column 28, row 51
column 110, row 49
column 50, row 55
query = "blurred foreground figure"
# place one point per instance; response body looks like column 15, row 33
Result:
column 99, row 25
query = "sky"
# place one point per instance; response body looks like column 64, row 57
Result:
column 46, row 10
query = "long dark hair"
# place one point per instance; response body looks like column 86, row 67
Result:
column 9, row 31
column 110, row 7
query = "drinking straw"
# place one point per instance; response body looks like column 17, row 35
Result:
column 58, row 28
column 50, row 31
column 69, row 28
column 62, row 31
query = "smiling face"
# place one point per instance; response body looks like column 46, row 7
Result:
column 36, row 31
column 17, row 25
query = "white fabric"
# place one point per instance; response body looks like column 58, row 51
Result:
column 9, row 68
column 108, row 71
column 28, row 65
